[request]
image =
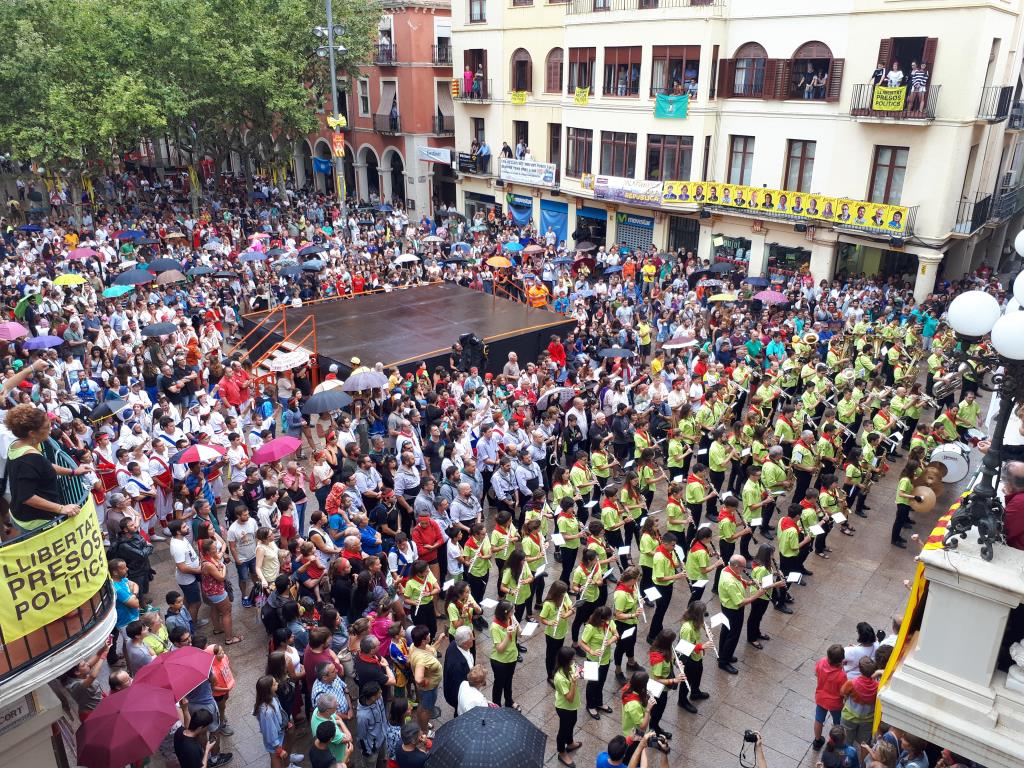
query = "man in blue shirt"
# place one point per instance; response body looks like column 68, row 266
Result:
column 126, row 596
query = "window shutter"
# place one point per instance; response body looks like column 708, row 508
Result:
column 784, row 81
column 771, row 87
column 726, row 77
column 835, row 79
column 529, row 75
column 885, row 52
column 928, row 57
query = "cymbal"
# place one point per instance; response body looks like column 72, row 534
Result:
column 927, row 502
column 939, row 467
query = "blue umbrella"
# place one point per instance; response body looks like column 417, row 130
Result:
column 117, row 291
column 43, row 342
column 562, row 260
column 512, row 247
column 164, row 265
column 313, row 265
column 253, row 256
column 131, row 234
column 282, row 263
column 134, row 277
column 30, row 228
column 159, row 329
column 292, row 271
column 200, row 271
column 612, row 270
column 257, row 196
column 277, row 252
column 465, row 247
column 385, row 208
column 757, row 282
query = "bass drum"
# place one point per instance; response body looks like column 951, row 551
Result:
column 955, row 457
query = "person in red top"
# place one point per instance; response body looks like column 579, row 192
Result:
column 828, row 697
column 557, row 352
column 427, row 537
column 1013, row 487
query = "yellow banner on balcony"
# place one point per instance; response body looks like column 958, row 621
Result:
column 885, row 99
column 46, row 576
column 518, row 98
column 582, row 97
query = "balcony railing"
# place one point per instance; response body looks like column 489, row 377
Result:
column 994, row 105
column 479, row 91
column 1008, row 203
column 658, row 90
column 915, row 106
column 444, row 124
column 442, row 55
column 387, row 125
column 971, row 215
column 385, row 53
column 602, row 6
column 1016, row 122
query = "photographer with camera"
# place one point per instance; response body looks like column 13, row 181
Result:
column 753, row 737
column 618, row 749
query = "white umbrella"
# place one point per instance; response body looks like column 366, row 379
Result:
column 432, row 239
column 407, row 258
column 679, row 342
column 323, row 386
column 288, row 361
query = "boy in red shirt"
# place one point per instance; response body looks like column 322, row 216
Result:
column 828, row 696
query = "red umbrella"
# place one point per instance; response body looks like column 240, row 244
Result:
column 198, row 452
column 179, row 671
column 276, row 449
column 126, row 727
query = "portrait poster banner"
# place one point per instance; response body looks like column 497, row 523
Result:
column 885, row 99
column 518, row 98
column 46, row 576
column 527, row 172
column 623, row 190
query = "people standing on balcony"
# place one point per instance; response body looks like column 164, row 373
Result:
column 32, row 478
column 894, row 77
column 918, row 87
column 478, row 82
column 878, row 76
column 467, row 81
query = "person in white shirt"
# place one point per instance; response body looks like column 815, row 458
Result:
column 238, row 458
column 471, row 690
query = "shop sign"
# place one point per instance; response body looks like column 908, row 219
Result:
column 467, row 162
column 632, row 220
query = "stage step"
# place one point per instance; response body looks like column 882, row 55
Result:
column 284, row 348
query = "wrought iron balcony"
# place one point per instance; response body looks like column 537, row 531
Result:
column 704, row 7
column 444, row 124
column 916, row 107
column 971, row 215
column 479, row 91
column 995, row 102
column 387, row 125
column 442, row 55
column 385, row 54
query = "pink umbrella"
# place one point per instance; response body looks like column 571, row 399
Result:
column 771, row 297
column 82, row 253
column 127, row 726
column 276, row 449
column 11, row 330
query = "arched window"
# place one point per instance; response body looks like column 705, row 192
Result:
column 751, row 59
column 522, row 70
column 810, row 73
column 553, row 71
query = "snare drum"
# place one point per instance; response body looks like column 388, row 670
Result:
column 955, row 457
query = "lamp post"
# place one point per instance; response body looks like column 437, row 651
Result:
column 974, row 315
column 331, row 35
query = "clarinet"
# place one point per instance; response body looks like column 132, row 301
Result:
column 519, row 584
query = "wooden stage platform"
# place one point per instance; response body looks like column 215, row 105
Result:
column 406, row 326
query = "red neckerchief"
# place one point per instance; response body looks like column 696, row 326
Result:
column 628, row 697
column 642, row 433
column 801, row 442
column 607, row 503
column 620, row 587
column 657, row 657
column 535, row 538
column 786, row 523
column 696, row 545
column 503, row 624
column 580, row 465
column 370, row 659
column 694, row 479
column 592, row 540
column 672, row 500
column 567, row 514
column 670, row 554
column 499, row 529
column 738, row 577
column 786, row 419
column 807, row 504
column 725, row 514
column 473, row 543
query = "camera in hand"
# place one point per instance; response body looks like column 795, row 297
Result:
column 750, row 736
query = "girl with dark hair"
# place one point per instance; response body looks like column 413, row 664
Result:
column 596, row 642
column 504, row 654
column 693, row 663
column 567, row 703
column 554, row 615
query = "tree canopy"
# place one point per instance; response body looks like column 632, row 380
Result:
column 83, row 81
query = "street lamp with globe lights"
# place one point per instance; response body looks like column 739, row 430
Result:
column 331, row 36
column 974, row 315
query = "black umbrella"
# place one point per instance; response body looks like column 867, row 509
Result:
column 200, row 271
column 276, row 252
column 486, row 737
column 328, row 400
column 148, row 241
column 107, row 409
column 159, row 329
column 291, row 270
column 225, row 274
column 164, row 265
column 721, row 267
column 312, row 250
column 615, row 352
column 134, row 277
column 452, row 215
column 700, row 274
column 453, row 260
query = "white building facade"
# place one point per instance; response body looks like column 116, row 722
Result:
column 781, row 103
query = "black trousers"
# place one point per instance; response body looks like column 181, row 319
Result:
column 803, row 482
column 694, row 671
column 568, row 562
column 614, row 539
column 477, row 586
column 582, row 614
column 502, row 686
column 820, row 541
column 660, row 609
column 624, row 648
column 551, row 646
column 726, row 549
column 425, row 615
column 697, row 593
column 566, row 726
column 766, row 519
column 595, row 688
column 745, row 540
column 729, row 638
column 631, row 533
column 656, row 713
column 898, row 524
column 757, row 609
column 537, row 592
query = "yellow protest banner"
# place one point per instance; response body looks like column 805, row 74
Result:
column 46, row 576
column 582, row 97
column 885, row 99
column 518, row 98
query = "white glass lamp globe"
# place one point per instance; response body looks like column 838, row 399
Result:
column 1012, row 305
column 973, row 313
column 1018, row 243
column 1008, row 336
column 1018, row 288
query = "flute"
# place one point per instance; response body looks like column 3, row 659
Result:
column 707, row 628
column 604, row 643
column 640, row 602
column 476, row 554
column 519, row 584
column 679, row 669
column 587, row 583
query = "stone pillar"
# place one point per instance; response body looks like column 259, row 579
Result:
column 928, row 267
column 947, row 688
column 823, row 256
column 300, row 167
column 384, row 174
column 758, row 265
column 362, row 186
column 705, row 248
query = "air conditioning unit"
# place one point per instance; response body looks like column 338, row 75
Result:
column 1009, row 179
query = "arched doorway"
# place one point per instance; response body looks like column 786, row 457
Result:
column 397, row 175
column 350, row 173
column 304, row 166
column 323, row 175
column 369, row 175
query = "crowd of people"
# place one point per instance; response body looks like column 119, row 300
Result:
column 416, row 540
